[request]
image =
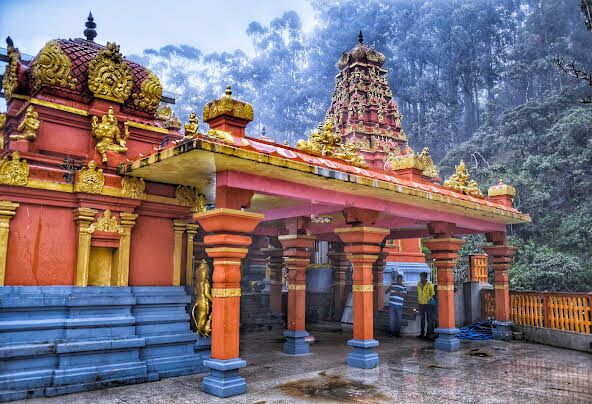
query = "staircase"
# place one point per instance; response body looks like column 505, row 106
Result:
column 255, row 314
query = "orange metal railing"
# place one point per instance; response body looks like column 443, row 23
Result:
column 562, row 311
column 478, row 268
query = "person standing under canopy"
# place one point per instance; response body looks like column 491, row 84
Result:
column 425, row 292
column 398, row 291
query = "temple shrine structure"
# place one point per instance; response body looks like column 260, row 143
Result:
column 128, row 239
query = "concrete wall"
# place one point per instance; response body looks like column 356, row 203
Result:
column 558, row 338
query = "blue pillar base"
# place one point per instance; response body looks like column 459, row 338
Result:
column 362, row 356
column 224, row 380
column 447, row 340
column 296, row 344
column 502, row 330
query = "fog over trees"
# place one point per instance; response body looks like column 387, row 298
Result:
column 474, row 79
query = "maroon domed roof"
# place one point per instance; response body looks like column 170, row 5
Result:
column 74, row 73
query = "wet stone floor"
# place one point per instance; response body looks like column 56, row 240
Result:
column 410, row 371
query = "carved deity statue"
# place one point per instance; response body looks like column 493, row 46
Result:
column 201, row 312
column 459, row 181
column 191, row 126
column 108, row 134
column 28, row 127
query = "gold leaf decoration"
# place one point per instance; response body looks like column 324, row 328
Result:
column 186, row 196
column 221, row 135
column 2, row 126
column 324, row 141
column 150, row 93
column 191, row 126
column 29, row 126
column 501, row 189
column 14, row 171
column 133, row 187
column 90, row 179
column 459, row 181
column 10, row 78
column 108, row 134
column 201, row 312
column 107, row 223
column 228, row 106
column 109, row 76
column 52, row 67
column 422, row 161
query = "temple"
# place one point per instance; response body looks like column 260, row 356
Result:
column 131, row 244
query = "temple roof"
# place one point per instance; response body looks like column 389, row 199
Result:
column 194, row 162
column 361, row 53
column 80, row 70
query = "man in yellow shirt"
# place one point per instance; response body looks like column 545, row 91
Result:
column 425, row 292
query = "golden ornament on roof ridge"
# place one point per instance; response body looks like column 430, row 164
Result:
column 53, row 68
column 226, row 105
column 191, row 125
column 459, row 181
column 150, row 93
column 501, row 189
column 106, row 223
column 326, row 142
column 109, row 76
column 10, row 78
column 422, row 161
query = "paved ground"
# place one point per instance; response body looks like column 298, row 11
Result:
column 410, row 371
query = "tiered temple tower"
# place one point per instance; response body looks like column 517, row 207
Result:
column 363, row 107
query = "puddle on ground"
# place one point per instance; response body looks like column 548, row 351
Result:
column 481, row 354
column 337, row 388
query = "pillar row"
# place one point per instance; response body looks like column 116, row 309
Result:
column 362, row 246
column 297, row 250
column 340, row 265
column 227, row 243
column 275, row 263
column 377, row 271
column 445, row 255
column 501, row 256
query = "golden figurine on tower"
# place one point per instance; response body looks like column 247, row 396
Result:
column 108, row 134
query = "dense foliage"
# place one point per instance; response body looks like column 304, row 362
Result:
column 475, row 79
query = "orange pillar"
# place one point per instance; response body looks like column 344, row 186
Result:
column 502, row 261
column 445, row 254
column 227, row 243
column 362, row 245
column 297, row 250
column 377, row 271
column 275, row 262
column 340, row 265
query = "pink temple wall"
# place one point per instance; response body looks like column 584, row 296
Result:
column 151, row 256
column 41, row 247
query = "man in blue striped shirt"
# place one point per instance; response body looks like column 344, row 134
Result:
column 397, row 291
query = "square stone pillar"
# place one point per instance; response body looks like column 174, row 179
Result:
column 340, row 265
column 84, row 217
column 297, row 251
column 191, row 232
column 276, row 263
column 362, row 246
column 502, row 261
column 127, row 221
column 227, row 243
column 7, row 212
column 377, row 272
column 445, row 255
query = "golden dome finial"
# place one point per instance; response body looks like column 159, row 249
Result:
column 228, row 91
